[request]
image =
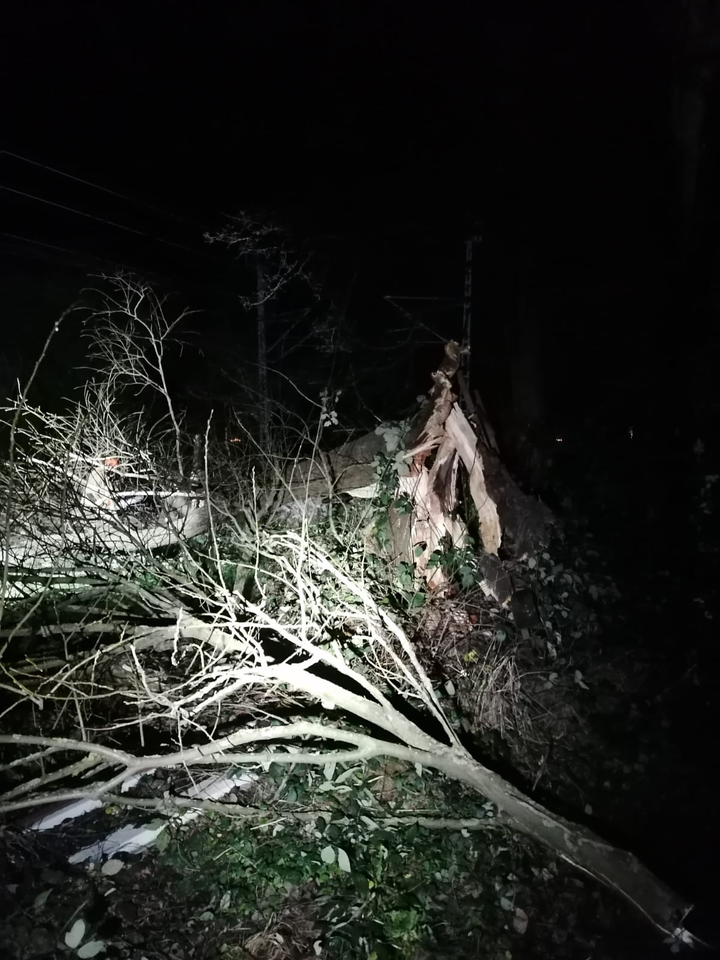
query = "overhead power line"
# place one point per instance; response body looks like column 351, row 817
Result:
column 110, row 223
column 83, row 257
column 97, row 186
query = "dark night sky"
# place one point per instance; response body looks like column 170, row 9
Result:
column 355, row 113
column 391, row 127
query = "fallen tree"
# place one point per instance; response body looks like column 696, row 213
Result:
column 137, row 642
column 238, row 672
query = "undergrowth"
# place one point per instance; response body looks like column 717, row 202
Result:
column 357, row 879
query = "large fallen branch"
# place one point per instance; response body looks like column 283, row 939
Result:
column 97, row 536
column 617, row 869
column 234, row 664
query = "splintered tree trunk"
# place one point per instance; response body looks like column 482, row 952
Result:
column 441, row 430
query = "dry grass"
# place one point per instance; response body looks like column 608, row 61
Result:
column 288, row 936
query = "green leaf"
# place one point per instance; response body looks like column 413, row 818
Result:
column 112, row 867
column 74, row 936
column 347, row 774
column 343, row 861
column 91, row 949
column 41, row 898
column 162, row 841
column 327, row 854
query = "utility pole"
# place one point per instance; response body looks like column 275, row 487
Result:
column 467, row 309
